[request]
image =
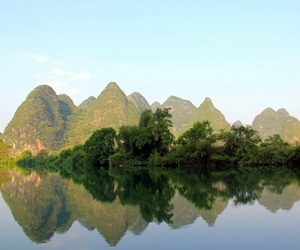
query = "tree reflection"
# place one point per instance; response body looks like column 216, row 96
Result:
column 115, row 200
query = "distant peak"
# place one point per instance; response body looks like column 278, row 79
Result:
column 155, row 103
column 207, row 102
column 282, row 112
column 91, row 98
column 173, row 97
column 42, row 90
column 43, row 87
column 269, row 110
column 207, row 99
column 135, row 94
column 112, row 85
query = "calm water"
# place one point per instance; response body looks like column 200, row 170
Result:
column 151, row 209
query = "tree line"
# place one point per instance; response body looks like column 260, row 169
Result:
column 151, row 143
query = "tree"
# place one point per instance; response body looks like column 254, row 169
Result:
column 196, row 144
column 151, row 137
column 100, row 146
column 273, row 151
column 240, row 144
column 155, row 136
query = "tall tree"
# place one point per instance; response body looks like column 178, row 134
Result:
column 100, row 146
column 196, row 144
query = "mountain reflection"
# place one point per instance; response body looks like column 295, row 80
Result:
column 119, row 200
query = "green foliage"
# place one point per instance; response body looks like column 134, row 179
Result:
column 5, row 159
column 151, row 137
column 196, row 144
column 273, row 151
column 100, row 146
column 239, row 144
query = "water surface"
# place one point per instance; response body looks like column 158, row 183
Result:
column 151, row 209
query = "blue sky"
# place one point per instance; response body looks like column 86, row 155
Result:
column 244, row 55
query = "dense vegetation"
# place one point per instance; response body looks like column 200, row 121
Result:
column 150, row 143
column 5, row 159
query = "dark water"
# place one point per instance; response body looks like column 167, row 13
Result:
column 151, row 209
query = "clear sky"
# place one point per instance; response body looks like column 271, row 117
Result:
column 244, row 55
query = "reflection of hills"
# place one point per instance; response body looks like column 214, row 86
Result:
column 210, row 216
column 185, row 213
column 285, row 200
column 39, row 207
column 43, row 206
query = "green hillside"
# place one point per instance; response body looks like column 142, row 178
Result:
column 40, row 121
column 86, row 103
column 207, row 111
column 110, row 109
column 269, row 122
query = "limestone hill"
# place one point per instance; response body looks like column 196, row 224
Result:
column 207, row 111
column 139, row 101
column 270, row 122
column 40, row 121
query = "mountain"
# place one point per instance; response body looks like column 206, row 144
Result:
column 139, row 101
column 49, row 121
column 110, row 109
column 181, row 110
column 270, row 122
column 86, row 103
column 237, row 123
column 40, row 121
column 207, row 111
column 155, row 106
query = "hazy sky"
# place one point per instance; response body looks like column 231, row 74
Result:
column 244, row 55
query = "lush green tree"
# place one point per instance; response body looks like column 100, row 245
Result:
column 127, row 140
column 150, row 138
column 273, row 150
column 100, row 146
column 240, row 144
column 294, row 156
column 155, row 136
column 196, row 144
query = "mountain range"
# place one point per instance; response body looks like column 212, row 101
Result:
column 49, row 121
